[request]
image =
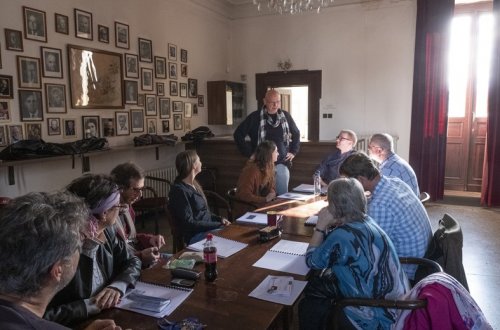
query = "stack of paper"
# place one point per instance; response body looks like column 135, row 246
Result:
column 225, row 247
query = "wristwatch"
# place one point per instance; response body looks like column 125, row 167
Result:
column 320, row 231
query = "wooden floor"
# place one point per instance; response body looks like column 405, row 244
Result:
column 481, row 253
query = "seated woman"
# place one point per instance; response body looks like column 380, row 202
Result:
column 187, row 202
column 357, row 259
column 256, row 183
column 106, row 268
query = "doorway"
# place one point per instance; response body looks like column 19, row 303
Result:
column 468, row 75
column 294, row 100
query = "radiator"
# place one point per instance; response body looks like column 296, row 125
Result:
column 363, row 140
column 161, row 188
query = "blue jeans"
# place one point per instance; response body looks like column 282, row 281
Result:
column 282, row 177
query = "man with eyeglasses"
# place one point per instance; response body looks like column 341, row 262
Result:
column 381, row 149
column 328, row 170
column 130, row 178
column 274, row 124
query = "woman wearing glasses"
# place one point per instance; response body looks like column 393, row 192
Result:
column 106, row 268
column 328, row 170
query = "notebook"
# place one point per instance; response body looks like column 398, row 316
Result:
column 296, row 196
column 265, row 290
column 285, row 256
column 153, row 299
column 253, row 218
column 225, row 247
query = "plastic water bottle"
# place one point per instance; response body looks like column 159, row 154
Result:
column 317, row 184
column 210, row 256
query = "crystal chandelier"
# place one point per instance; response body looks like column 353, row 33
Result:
column 292, row 6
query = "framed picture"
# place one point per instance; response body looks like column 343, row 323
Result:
column 83, row 24
column 33, row 131
column 172, row 70
column 184, row 70
column 160, row 67
column 69, row 128
column 201, row 101
column 193, row 88
column 62, row 23
column 183, row 89
column 122, row 123
column 14, row 40
column 188, row 110
column 3, row 137
column 108, row 127
column 160, row 89
column 55, row 98
column 131, row 91
column 145, row 50
column 35, row 26
column 151, row 124
column 6, row 87
column 195, row 109
column 187, row 124
column 177, row 122
column 184, row 55
column 164, row 104
column 0, row 55
column 30, row 105
column 103, row 33
column 147, row 79
column 165, row 126
column 28, row 72
column 177, row 106
column 122, row 39
column 173, row 88
column 172, row 52
column 54, row 126
column 140, row 100
column 90, row 126
column 15, row 133
column 5, row 115
column 88, row 92
column 52, row 62
column 137, row 120
column 131, row 66
column 151, row 105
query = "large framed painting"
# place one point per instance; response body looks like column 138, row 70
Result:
column 96, row 78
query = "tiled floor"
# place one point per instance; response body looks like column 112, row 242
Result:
column 481, row 252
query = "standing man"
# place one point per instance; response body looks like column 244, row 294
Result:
column 328, row 170
column 39, row 252
column 381, row 149
column 394, row 207
column 277, row 125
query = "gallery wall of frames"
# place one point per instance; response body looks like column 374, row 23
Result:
column 125, row 81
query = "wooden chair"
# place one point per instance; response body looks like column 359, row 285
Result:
column 386, row 303
column 177, row 239
column 153, row 203
column 218, row 205
column 239, row 206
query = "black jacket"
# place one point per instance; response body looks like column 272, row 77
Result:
column 117, row 264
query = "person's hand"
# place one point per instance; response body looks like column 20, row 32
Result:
column 225, row 222
column 150, row 255
column 289, row 156
column 103, row 325
column 107, row 298
column 325, row 219
column 157, row 240
column 270, row 196
column 252, row 157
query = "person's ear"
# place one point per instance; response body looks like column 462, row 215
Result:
column 56, row 271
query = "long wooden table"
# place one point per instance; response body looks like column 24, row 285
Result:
column 225, row 304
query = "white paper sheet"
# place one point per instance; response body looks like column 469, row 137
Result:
column 225, row 247
column 253, row 218
column 296, row 196
column 261, row 292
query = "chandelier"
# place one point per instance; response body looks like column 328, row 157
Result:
column 292, row 6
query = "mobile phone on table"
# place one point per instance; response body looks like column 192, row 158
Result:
column 182, row 282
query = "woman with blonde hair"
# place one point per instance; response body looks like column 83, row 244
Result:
column 187, row 202
column 257, row 184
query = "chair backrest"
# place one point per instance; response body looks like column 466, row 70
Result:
column 177, row 239
column 424, row 197
column 239, row 206
column 218, row 204
column 446, row 249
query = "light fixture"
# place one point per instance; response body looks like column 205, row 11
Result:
column 292, row 6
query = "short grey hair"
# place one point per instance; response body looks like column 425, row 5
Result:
column 37, row 230
column 383, row 140
column 346, row 200
column 351, row 134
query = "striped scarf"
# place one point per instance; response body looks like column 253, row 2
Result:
column 280, row 119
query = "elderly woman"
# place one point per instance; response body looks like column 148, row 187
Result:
column 356, row 259
column 106, row 268
column 187, row 202
column 256, row 183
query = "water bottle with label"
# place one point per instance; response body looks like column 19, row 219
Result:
column 317, row 184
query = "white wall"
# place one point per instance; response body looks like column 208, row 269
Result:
column 365, row 53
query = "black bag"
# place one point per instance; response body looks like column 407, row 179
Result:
column 322, row 284
column 147, row 139
column 198, row 134
column 90, row 144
